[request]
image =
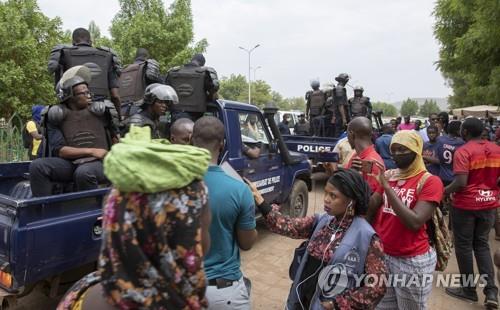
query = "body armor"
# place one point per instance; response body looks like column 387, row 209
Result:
column 142, row 119
column 132, row 83
column 98, row 60
column 83, row 128
column 316, row 103
column 302, row 129
column 189, row 83
column 359, row 106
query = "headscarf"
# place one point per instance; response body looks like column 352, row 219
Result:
column 352, row 184
column 36, row 113
column 413, row 141
column 141, row 164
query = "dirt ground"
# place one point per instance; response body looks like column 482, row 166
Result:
column 267, row 267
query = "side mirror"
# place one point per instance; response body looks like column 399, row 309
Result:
column 273, row 147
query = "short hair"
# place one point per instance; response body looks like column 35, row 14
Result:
column 179, row 125
column 199, row 59
column 454, row 127
column 81, row 35
column 208, row 133
column 474, row 127
column 387, row 127
column 142, row 53
column 432, row 127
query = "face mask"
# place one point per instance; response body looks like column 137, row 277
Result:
column 403, row 161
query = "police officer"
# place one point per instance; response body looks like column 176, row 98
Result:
column 157, row 99
column 301, row 128
column 102, row 62
column 196, row 85
column 315, row 100
column 79, row 135
column 134, row 79
column 338, row 105
column 360, row 105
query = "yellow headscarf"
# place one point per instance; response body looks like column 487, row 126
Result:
column 412, row 140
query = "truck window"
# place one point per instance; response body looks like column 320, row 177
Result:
column 252, row 129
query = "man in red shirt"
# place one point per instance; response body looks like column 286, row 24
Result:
column 476, row 166
column 359, row 135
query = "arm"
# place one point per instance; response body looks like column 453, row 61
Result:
column 115, row 98
column 431, row 159
column 68, row 152
column 246, row 238
column 373, row 206
column 206, row 218
column 246, row 233
column 343, row 114
column 33, row 131
column 251, row 152
column 364, row 297
column 459, row 182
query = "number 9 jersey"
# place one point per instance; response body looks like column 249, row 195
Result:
column 446, row 149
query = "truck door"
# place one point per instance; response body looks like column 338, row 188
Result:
column 261, row 166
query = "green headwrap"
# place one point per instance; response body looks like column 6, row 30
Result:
column 141, row 164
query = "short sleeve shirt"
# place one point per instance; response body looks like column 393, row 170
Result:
column 232, row 206
column 370, row 154
column 31, row 127
column 430, row 149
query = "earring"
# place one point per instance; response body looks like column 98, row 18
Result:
column 350, row 211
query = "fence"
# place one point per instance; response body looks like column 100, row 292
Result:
column 11, row 140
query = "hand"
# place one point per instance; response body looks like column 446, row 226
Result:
column 356, row 163
column 333, row 120
column 256, row 194
column 330, row 168
column 381, row 176
column 99, row 153
column 328, row 305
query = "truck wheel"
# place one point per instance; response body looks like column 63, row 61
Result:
column 298, row 200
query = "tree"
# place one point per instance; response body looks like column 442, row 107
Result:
column 27, row 37
column 261, row 93
column 469, row 56
column 409, row 107
column 97, row 39
column 234, row 88
column 387, row 109
column 167, row 34
column 429, row 106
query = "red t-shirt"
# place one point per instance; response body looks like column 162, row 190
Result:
column 397, row 239
column 370, row 154
column 481, row 161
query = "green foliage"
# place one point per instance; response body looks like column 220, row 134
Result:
column 469, row 57
column 97, row 39
column 386, row 108
column 409, row 107
column 167, row 34
column 27, row 37
column 11, row 142
column 234, row 88
column 429, row 106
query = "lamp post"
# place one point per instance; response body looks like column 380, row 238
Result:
column 254, row 72
column 249, row 51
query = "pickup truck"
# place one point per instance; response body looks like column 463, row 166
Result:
column 317, row 149
column 56, row 239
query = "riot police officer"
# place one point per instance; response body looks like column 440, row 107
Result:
column 157, row 99
column 134, row 79
column 315, row 103
column 301, row 128
column 360, row 105
column 102, row 62
column 79, row 135
column 338, row 105
column 196, row 85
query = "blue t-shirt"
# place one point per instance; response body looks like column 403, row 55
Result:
column 446, row 149
column 232, row 206
column 382, row 145
column 430, row 149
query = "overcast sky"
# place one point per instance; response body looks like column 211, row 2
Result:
column 386, row 46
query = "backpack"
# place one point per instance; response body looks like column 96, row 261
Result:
column 27, row 138
column 437, row 230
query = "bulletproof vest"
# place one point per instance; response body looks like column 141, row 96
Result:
column 317, row 101
column 82, row 128
column 340, row 94
column 189, row 83
column 132, row 84
column 97, row 60
column 301, row 128
column 359, row 106
column 141, row 119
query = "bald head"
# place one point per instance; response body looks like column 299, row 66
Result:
column 361, row 126
column 208, row 133
column 181, row 131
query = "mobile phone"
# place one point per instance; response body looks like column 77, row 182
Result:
column 366, row 166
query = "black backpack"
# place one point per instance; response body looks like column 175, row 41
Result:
column 27, row 138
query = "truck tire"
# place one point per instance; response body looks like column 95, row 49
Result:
column 297, row 202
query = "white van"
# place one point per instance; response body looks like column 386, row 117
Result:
column 293, row 116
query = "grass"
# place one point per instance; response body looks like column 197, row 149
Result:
column 11, row 141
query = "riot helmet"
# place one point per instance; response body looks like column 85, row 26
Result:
column 358, row 90
column 162, row 92
column 72, row 77
column 315, row 84
column 342, row 78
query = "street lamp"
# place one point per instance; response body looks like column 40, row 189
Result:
column 249, row 51
column 254, row 72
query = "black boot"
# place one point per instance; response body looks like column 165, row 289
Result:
column 491, row 300
column 459, row 292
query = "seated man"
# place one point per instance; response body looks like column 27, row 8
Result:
column 158, row 98
column 181, row 131
column 78, row 137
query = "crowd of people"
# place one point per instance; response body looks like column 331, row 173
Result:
column 174, row 222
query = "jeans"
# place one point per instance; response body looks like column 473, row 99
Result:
column 471, row 230
column 45, row 171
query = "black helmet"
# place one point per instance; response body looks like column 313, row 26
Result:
column 315, row 83
column 72, row 77
column 158, row 91
column 343, row 77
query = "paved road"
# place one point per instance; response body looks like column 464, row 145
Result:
column 267, row 266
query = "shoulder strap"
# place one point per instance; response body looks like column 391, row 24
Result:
column 422, row 181
column 320, row 222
